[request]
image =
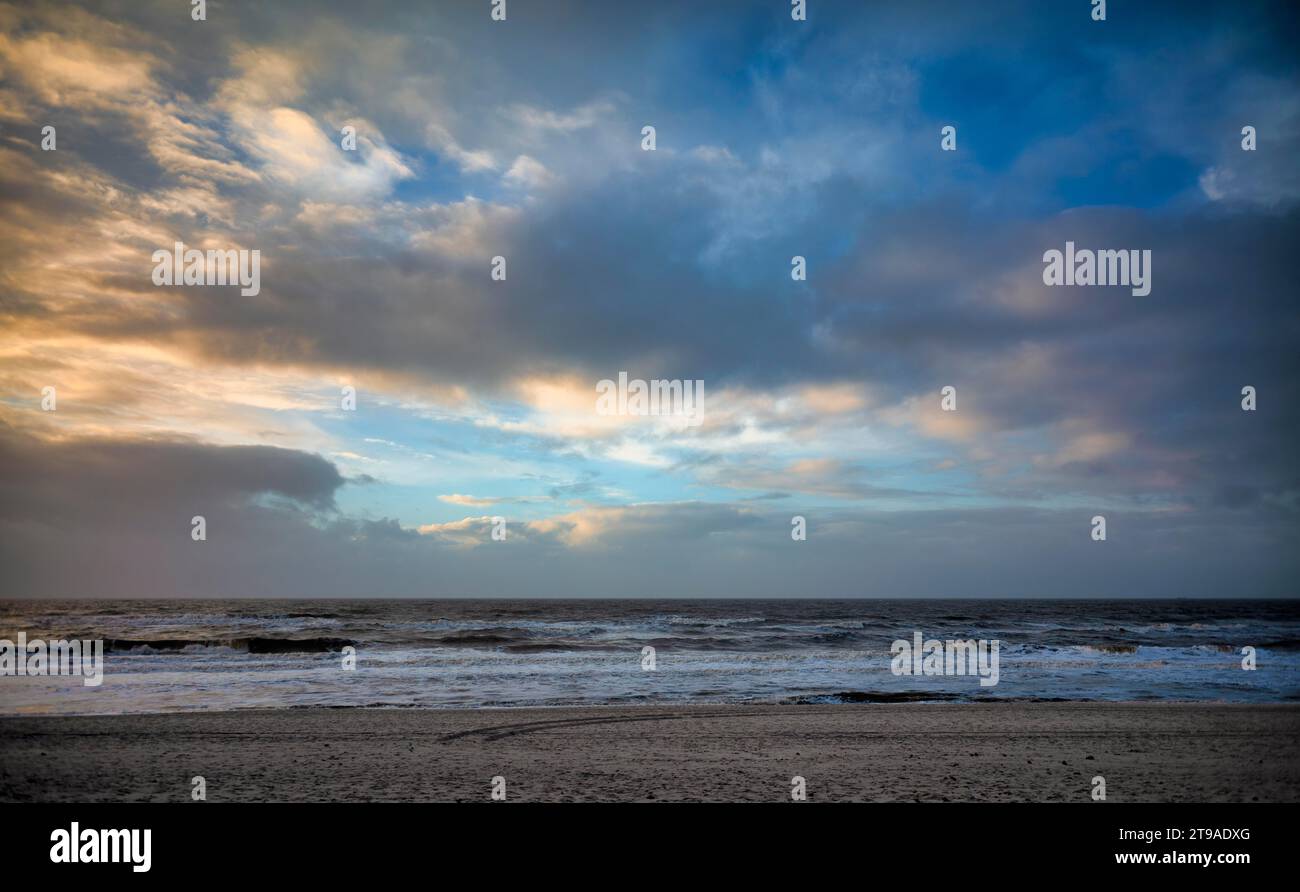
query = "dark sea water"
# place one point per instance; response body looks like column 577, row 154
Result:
column 177, row 655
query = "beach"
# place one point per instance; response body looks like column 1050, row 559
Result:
column 1004, row 752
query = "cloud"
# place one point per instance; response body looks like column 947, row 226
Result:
column 290, row 145
column 112, row 519
column 924, row 272
column 579, row 118
column 64, row 71
column 482, row 501
column 150, row 484
column 528, row 173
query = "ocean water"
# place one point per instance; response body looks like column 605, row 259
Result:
column 164, row 656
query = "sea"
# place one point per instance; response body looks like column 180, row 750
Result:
column 186, row 655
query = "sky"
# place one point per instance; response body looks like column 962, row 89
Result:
column 476, row 397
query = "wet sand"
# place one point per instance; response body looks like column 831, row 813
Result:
column 1034, row 752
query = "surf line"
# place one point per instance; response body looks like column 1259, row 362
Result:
column 936, row 657
column 55, row 657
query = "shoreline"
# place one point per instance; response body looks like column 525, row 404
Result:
column 1039, row 752
column 885, row 700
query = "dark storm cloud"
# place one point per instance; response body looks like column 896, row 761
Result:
column 105, row 478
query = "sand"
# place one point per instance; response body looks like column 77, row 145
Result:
column 1038, row 752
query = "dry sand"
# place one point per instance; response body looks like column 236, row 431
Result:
column 1039, row 752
